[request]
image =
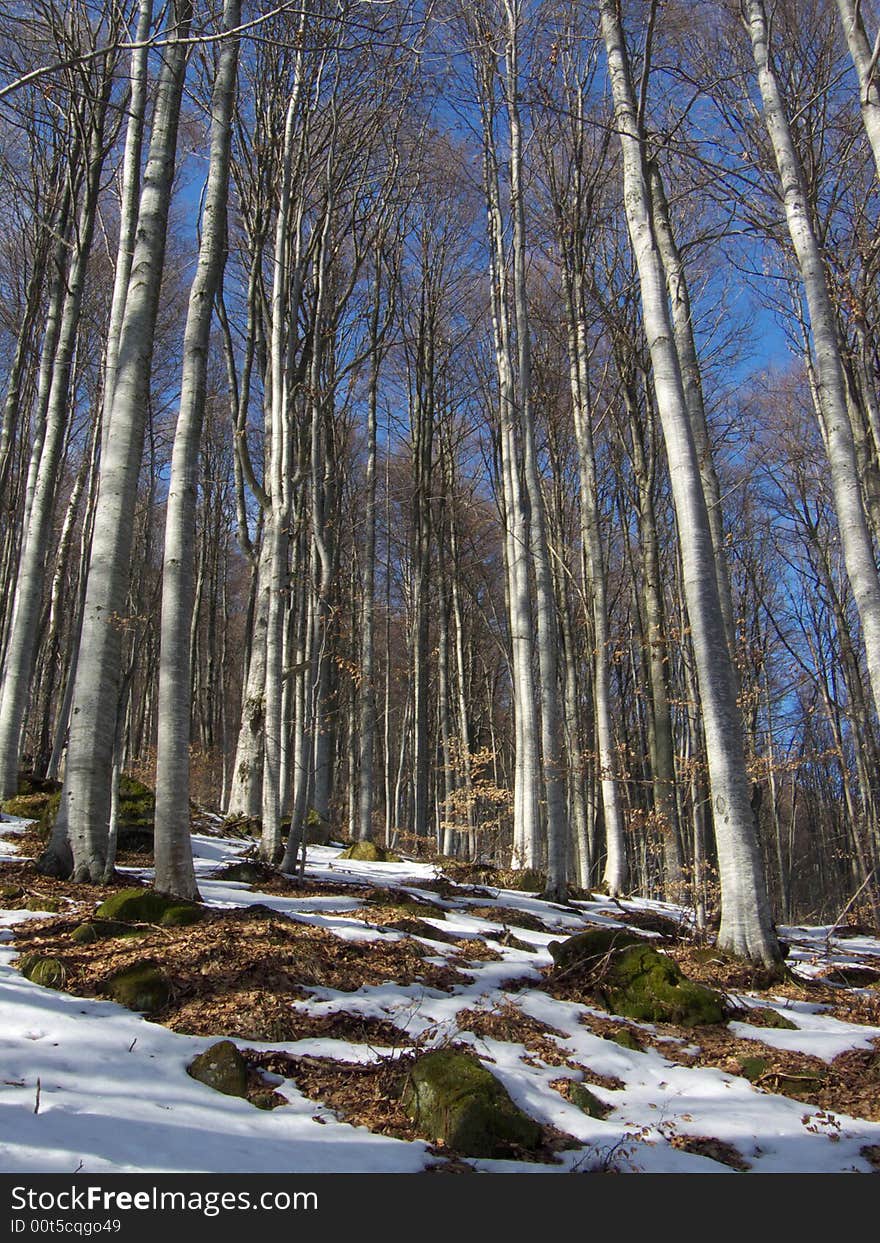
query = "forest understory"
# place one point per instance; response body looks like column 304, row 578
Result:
column 336, row 986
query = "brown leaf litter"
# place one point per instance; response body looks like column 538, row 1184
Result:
column 371, row 1095
column 238, row 966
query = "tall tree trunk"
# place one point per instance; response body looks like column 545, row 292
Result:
column 865, row 60
column 83, row 815
column 18, row 665
column 858, row 550
column 173, row 851
column 746, row 928
column 553, row 757
column 591, row 537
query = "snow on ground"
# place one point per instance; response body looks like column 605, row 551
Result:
column 88, row 1086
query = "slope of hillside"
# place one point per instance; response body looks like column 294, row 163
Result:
column 333, row 989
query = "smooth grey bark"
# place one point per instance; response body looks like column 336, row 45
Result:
column 62, row 719
column 129, row 198
column 746, row 928
column 661, row 741
column 422, row 417
column 685, row 344
column 175, row 872
column 552, row 746
column 24, row 345
column 20, row 654
column 591, row 537
column 367, row 692
column 246, row 787
column 51, row 660
column 79, row 839
column 864, row 58
column 858, row 549
column 278, row 478
column 527, row 820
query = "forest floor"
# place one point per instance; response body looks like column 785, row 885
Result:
column 332, row 988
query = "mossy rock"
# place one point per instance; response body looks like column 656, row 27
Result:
column 105, row 930
column 222, row 1068
column 625, row 1038
column 407, row 906
column 50, row 972
column 48, row 814
column 586, row 1101
column 587, row 949
column 145, row 906
column 637, row 981
column 246, row 873
column 647, row 985
column 86, row 934
column 135, row 822
column 140, row 987
column 51, row 905
column 267, row 1100
column 753, row 1068
column 369, row 852
column 27, row 806
column 453, row 1099
column 130, row 788
column 526, row 880
column 11, row 893
column 317, row 831
column 135, row 841
column 182, row 915
column 806, row 1083
column 766, row 1016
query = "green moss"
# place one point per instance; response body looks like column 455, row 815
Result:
column 104, row 930
column 453, row 1099
column 635, row 980
column 50, row 972
column 527, row 880
column 27, row 806
column 588, row 1102
column 130, row 788
column 137, row 807
column 136, row 906
column 50, row 811
column 139, row 987
column 406, row 906
column 752, row 1068
column 625, row 1038
column 52, row 905
column 11, row 893
column 182, row 915
column 318, row 831
column 246, row 873
column 369, row 852
column 766, row 1016
column 222, row 1068
column 647, row 985
column 587, row 949
column 805, row 1083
